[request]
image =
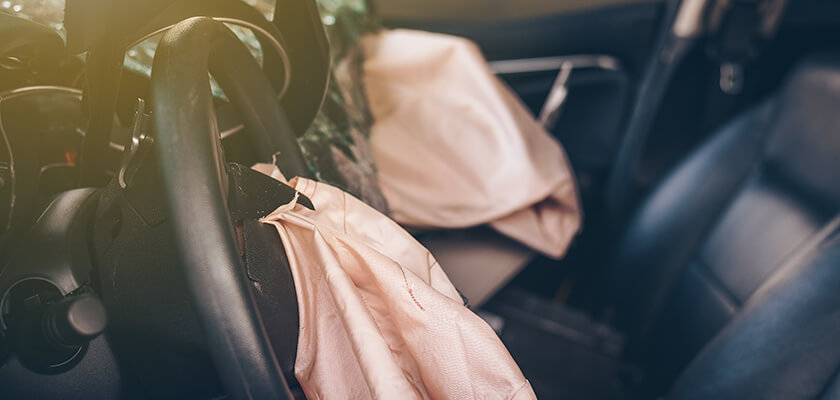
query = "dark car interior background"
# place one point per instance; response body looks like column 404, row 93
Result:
column 707, row 158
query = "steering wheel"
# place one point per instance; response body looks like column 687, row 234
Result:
column 24, row 38
column 196, row 186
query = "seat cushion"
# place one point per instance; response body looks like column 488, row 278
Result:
column 784, row 344
column 478, row 261
column 725, row 220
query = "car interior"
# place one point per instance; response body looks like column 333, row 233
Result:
column 703, row 136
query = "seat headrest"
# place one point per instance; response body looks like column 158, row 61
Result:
column 804, row 140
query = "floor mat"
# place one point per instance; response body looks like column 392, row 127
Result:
column 563, row 353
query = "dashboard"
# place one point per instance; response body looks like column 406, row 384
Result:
column 48, row 101
column 41, row 141
column 42, row 132
column 43, row 113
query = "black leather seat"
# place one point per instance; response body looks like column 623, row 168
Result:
column 735, row 254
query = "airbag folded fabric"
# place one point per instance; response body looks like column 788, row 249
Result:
column 456, row 148
column 379, row 319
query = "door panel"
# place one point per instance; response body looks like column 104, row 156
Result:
column 622, row 30
column 590, row 121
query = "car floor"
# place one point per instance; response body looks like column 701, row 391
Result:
column 563, row 353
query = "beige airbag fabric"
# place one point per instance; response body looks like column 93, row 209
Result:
column 456, row 148
column 379, row 319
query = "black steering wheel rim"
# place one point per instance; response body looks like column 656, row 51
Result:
column 22, row 37
column 196, row 187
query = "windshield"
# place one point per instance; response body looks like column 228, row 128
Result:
column 46, row 12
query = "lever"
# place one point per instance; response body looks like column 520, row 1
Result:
column 74, row 321
column 49, row 336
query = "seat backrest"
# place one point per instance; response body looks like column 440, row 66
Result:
column 727, row 218
column 784, row 344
